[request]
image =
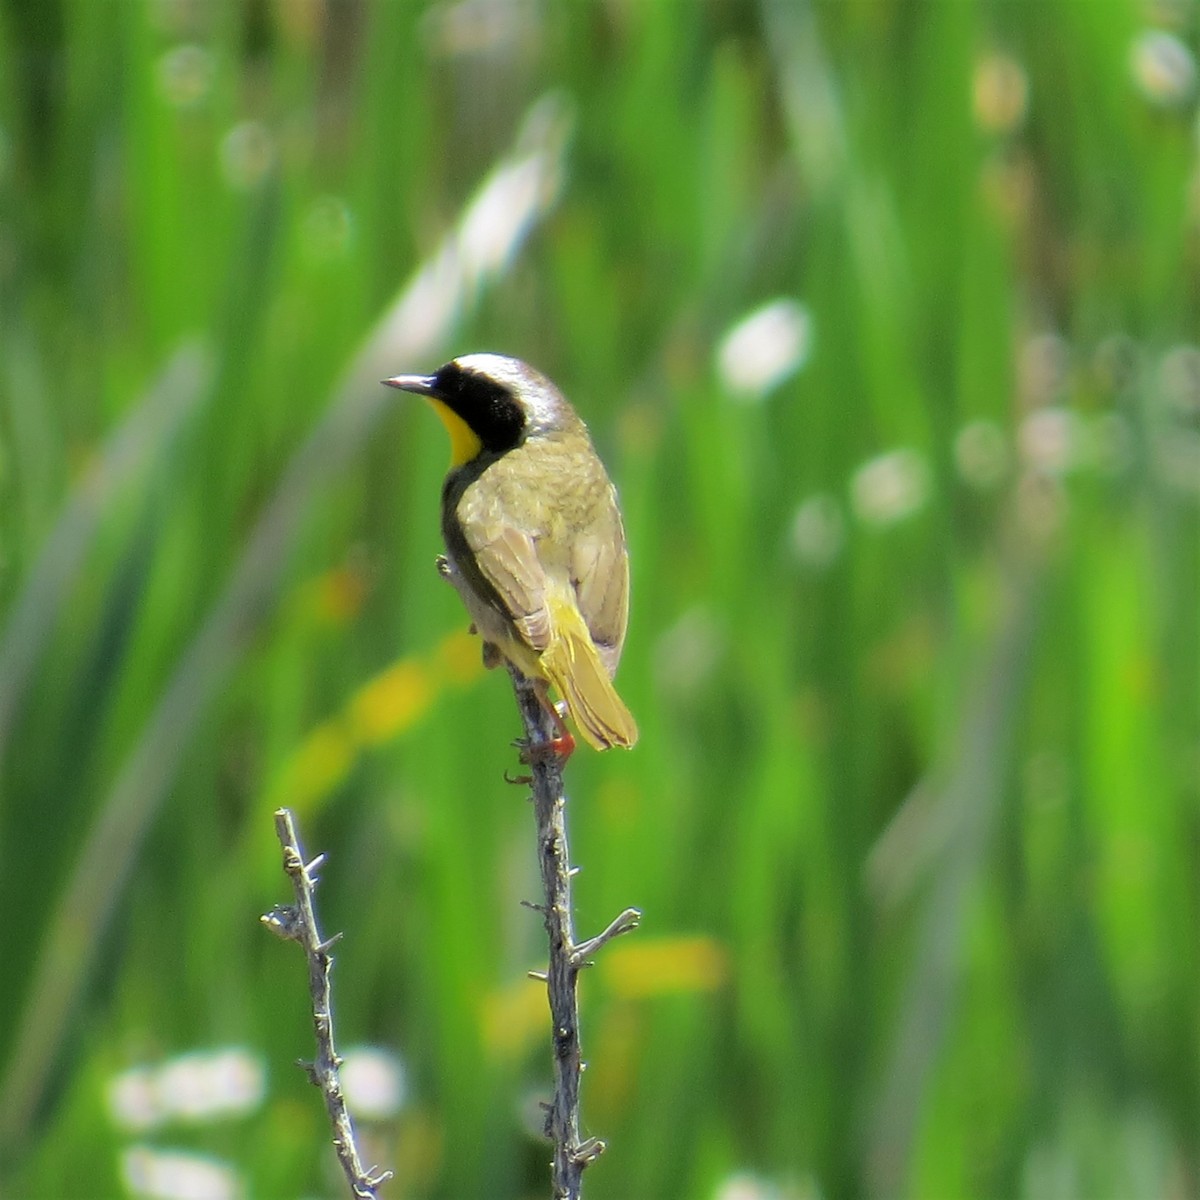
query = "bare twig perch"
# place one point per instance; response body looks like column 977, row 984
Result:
column 298, row 923
column 567, row 958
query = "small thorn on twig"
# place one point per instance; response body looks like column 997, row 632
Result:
column 537, row 908
column 372, row 1182
column 540, row 976
column 625, row 923
column 587, row 1152
column 517, row 780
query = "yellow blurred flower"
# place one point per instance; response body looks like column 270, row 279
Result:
column 514, row 1017
column 317, row 767
column 382, row 708
column 999, row 93
column 391, row 702
column 337, row 596
column 663, row 966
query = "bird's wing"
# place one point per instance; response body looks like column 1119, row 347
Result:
column 507, row 559
column 502, row 534
column 600, row 572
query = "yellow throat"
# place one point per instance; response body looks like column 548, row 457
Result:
column 464, row 442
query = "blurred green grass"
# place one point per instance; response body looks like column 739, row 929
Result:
column 915, row 644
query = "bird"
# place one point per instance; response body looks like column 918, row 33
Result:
column 535, row 543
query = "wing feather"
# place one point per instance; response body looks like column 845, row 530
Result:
column 600, row 573
column 508, row 560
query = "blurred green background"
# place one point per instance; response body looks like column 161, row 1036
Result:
column 883, row 314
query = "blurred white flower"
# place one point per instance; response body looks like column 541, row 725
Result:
column 247, row 155
column 185, row 75
column 745, row 1185
column 818, row 531
column 202, row 1086
column 178, row 1175
column 890, row 487
column 374, row 1082
column 765, row 348
column 981, row 454
column 1050, row 440
column 688, row 652
column 133, row 1099
column 1163, row 68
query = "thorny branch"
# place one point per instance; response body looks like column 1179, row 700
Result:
column 567, row 957
column 298, row 923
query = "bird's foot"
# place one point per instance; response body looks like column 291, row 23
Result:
column 561, row 747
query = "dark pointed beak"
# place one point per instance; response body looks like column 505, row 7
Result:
column 422, row 385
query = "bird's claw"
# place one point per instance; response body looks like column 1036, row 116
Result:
column 561, row 747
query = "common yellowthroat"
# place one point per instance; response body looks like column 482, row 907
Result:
column 534, row 539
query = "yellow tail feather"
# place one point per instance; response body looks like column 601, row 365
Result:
column 573, row 666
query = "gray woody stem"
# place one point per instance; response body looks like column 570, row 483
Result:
column 567, row 958
column 298, row 923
